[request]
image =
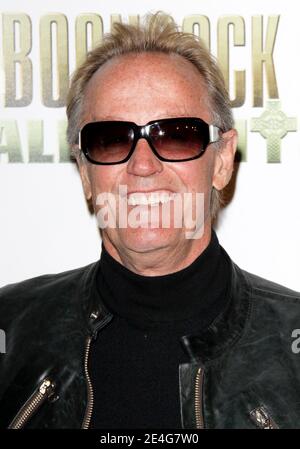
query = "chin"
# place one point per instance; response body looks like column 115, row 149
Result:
column 144, row 240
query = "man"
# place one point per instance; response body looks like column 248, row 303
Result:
column 164, row 331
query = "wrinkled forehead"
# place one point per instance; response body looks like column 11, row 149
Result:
column 165, row 83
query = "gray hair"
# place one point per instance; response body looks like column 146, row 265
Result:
column 157, row 33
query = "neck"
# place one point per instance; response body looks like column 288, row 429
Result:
column 196, row 292
column 153, row 262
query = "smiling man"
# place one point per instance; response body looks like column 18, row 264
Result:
column 140, row 88
column 165, row 330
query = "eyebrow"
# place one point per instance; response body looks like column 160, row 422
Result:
column 165, row 115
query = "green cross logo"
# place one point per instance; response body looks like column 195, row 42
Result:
column 273, row 125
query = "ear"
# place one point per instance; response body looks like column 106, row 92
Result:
column 224, row 159
column 84, row 175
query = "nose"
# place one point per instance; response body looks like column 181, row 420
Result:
column 143, row 161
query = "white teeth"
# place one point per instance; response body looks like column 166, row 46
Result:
column 164, row 198
column 138, row 198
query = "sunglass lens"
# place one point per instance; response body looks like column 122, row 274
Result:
column 179, row 139
column 107, row 142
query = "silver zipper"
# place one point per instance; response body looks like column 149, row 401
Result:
column 90, row 398
column 199, row 399
column 45, row 391
column 90, row 394
column 262, row 418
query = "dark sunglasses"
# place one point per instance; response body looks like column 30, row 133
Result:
column 171, row 139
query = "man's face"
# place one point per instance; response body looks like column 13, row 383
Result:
column 140, row 88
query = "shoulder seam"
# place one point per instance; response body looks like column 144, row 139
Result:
column 279, row 294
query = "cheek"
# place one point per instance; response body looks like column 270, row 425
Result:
column 196, row 175
column 102, row 179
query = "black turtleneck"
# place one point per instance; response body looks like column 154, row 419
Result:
column 134, row 361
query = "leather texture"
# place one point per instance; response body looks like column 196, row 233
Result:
column 246, row 354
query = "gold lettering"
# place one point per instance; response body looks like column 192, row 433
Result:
column 263, row 57
column 83, row 21
column 10, row 140
column 64, row 153
column 17, row 44
column 190, row 23
column 36, row 142
column 238, row 25
column 54, row 59
column 241, row 127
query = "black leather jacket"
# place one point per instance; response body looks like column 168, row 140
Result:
column 242, row 374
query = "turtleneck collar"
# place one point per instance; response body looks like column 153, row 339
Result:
column 198, row 290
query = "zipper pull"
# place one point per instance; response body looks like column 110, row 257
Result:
column 47, row 388
column 45, row 391
column 96, row 323
column 261, row 417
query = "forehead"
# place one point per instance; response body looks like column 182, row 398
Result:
column 145, row 84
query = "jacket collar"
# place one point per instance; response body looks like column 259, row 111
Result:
column 95, row 314
column 228, row 327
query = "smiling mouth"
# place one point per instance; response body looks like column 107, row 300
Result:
column 150, row 198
